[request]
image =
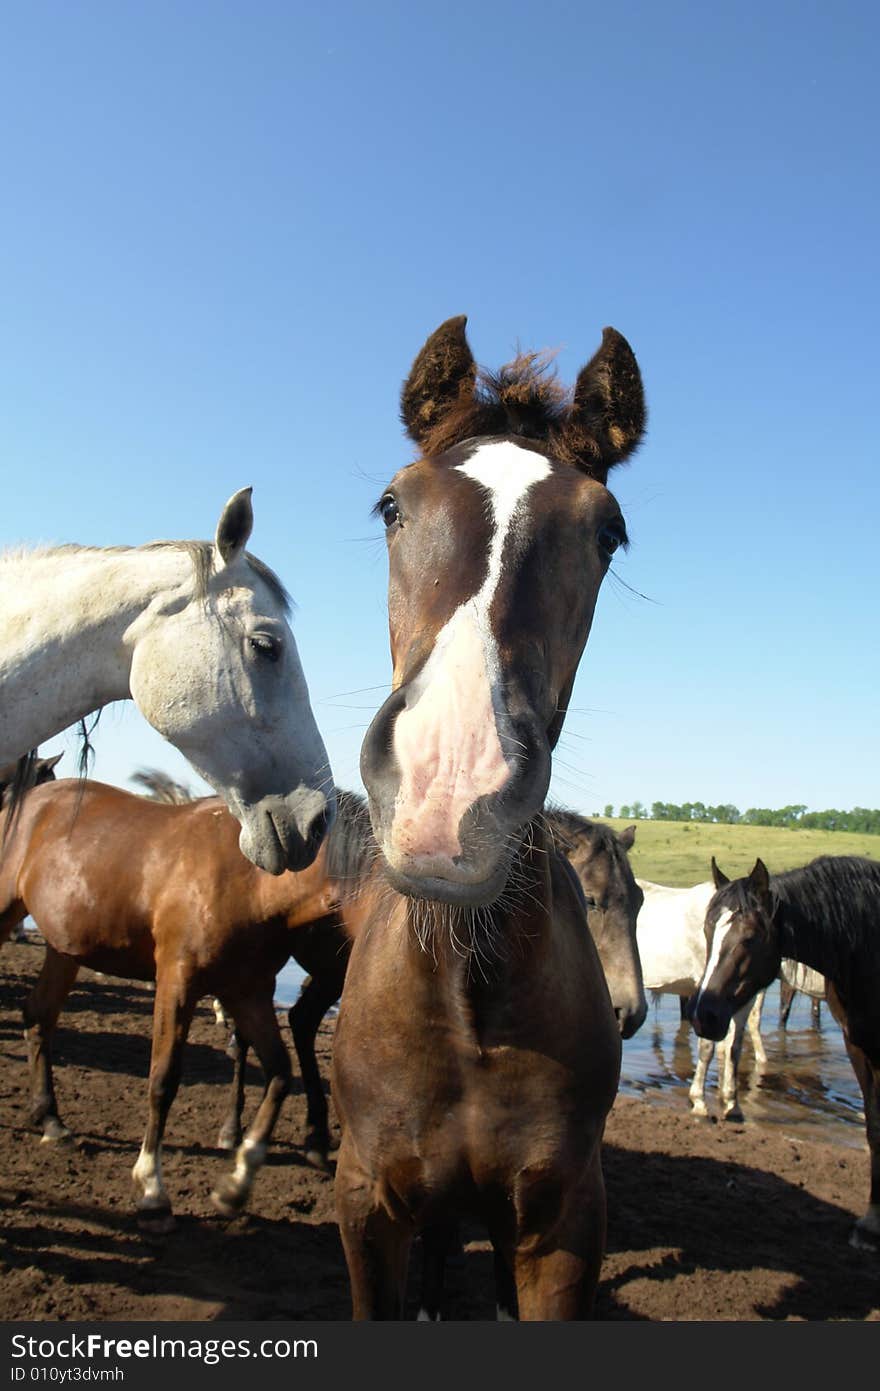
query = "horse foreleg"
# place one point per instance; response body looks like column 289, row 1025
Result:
column 557, row 1258
column 728, row 1066
column 697, row 1092
column 256, row 1021
column 376, row 1243
column 173, row 1010
column 502, row 1237
column 437, row 1241
column 318, row 994
column 41, row 1011
column 230, row 1131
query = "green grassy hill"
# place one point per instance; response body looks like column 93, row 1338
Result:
column 680, row 852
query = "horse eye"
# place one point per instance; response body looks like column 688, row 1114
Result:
column 590, row 902
column 265, row 647
column 611, row 537
column 388, row 510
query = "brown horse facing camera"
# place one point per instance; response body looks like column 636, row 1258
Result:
column 477, row 1053
column 611, row 896
column 151, row 891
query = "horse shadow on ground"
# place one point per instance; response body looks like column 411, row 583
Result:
column 251, row 1268
column 704, row 1216
column 725, row 1217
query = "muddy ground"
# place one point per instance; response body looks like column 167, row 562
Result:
column 705, row 1220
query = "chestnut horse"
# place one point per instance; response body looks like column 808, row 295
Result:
column 152, row 891
column 477, row 1053
column 827, row 916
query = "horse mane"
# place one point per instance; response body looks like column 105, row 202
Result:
column 201, row 554
column 13, row 789
column 836, row 894
column 567, row 827
column 523, row 398
column 161, row 787
column 831, row 901
column 351, row 847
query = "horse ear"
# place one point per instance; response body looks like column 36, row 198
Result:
column 718, row 875
column 49, row 763
column 627, row 837
column 759, row 879
column 444, row 371
column 235, row 526
column 607, row 416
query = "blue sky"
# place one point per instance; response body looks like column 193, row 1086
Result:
column 228, row 228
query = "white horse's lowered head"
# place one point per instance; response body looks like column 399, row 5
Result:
column 197, row 635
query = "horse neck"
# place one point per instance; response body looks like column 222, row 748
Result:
column 803, row 940
column 64, row 620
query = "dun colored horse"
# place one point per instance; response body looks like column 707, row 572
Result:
column 613, row 900
column 826, row 916
column 477, row 1053
column 151, row 891
column 197, row 635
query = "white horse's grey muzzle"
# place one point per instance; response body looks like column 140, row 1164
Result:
column 279, row 833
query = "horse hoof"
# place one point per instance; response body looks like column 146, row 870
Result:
column 55, row 1134
column 318, row 1159
column 228, row 1139
column 734, row 1115
column 699, row 1111
column 229, row 1202
column 156, row 1221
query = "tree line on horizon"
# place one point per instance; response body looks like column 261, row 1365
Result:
column 861, row 819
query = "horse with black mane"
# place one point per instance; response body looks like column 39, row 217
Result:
column 827, row 916
column 477, row 1054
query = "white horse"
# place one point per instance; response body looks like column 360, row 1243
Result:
column 672, row 948
column 794, row 976
column 196, row 634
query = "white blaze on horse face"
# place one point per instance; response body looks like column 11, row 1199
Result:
column 721, row 929
column 446, row 740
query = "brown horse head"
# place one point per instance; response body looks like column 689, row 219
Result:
column 28, row 771
column 488, row 615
